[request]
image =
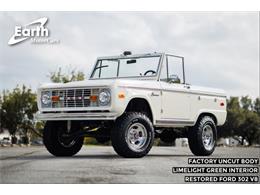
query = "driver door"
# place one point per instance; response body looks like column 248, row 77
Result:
column 175, row 93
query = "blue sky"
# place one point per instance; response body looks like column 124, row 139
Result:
column 221, row 49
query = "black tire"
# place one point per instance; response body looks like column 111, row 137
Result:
column 120, row 131
column 196, row 144
column 51, row 139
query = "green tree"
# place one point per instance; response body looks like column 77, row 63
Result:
column 72, row 75
column 257, row 106
column 242, row 120
column 234, row 118
column 246, row 103
column 17, row 110
column 250, row 128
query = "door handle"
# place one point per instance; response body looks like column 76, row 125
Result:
column 187, row 86
column 155, row 94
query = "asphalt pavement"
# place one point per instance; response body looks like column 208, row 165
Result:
column 100, row 164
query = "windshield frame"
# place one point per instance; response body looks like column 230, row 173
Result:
column 150, row 77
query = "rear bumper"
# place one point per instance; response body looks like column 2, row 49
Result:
column 76, row 116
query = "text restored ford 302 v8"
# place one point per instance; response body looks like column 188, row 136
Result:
column 130, row 100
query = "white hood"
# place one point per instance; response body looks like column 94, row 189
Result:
column 85, row 83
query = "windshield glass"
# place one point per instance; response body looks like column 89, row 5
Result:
column 126, row 67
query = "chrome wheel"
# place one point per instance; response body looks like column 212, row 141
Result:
column 208, row 137
column 136, row 137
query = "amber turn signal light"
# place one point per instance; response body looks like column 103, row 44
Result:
column 55, row 98
column 121, row 95
column 93, row 98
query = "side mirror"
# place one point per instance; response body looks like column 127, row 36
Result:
column 127, row 53
column 174, row 79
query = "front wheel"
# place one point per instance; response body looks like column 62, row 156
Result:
column 57, row 140
column 133, row 135
column 202, row 137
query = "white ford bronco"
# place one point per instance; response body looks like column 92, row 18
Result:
column 130, row 100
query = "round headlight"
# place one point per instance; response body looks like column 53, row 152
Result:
column 46, row 98
column 104, row 97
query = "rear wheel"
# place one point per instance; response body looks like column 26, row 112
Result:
column 202, row 137
column 133, row 135
column 57, row 140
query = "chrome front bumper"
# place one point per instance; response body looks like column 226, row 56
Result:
column 76, row 116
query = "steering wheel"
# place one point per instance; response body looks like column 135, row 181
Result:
column 148, row 71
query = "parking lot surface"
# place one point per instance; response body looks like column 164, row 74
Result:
column 100, row 164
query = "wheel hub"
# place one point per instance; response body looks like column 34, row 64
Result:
column 136, row 136
column 208, row 137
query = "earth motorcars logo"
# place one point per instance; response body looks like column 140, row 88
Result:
column 36, row 31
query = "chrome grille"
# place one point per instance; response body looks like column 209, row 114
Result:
column 71, row 98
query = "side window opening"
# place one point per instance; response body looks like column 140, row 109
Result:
column 164, row 72
column 175, row 72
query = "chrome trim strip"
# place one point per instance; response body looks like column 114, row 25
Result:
column 173, row 122
column 92, row 108
column 77, row 116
